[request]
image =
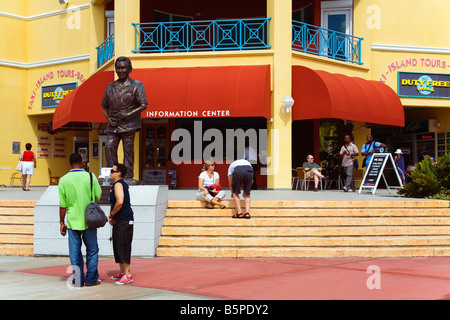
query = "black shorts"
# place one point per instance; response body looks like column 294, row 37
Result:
column 122, row 238
column 242, row 175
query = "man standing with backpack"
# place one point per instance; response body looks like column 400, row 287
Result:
column 74, row 195
column 368, row 149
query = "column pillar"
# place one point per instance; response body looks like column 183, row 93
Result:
column 280, row 127
column 125, row 13
column 97, row 31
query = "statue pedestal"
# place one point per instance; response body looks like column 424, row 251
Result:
column 149, row 205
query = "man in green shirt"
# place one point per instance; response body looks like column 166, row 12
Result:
column 74, row 195
column 313, row 170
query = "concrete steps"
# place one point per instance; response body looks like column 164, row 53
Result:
column 308, row 229
column 16, row 227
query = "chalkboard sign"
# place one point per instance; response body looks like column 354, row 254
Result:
column 380, row 163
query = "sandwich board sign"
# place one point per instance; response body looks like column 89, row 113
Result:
column 381, row 165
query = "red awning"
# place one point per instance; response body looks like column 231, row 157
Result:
column 197, row 92
column 319, row 94
column 84, row 103
column 201, row 92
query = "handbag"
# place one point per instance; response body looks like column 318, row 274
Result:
column 94, row 215
column 214, row 189
column 19, row 166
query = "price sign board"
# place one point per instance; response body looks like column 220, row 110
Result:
column 378, row 166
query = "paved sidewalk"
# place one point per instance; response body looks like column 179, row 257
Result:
column 45, row 278
column 162, row 278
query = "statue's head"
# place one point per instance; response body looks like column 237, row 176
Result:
column 123, row 67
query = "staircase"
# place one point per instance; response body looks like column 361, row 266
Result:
column 16, row 227
column 394, row 228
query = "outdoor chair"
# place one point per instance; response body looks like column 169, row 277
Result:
column 301, row 173
column 358, row 175
column 333, row 177
column 16, row 176
column 53, row 180
column 295, row 179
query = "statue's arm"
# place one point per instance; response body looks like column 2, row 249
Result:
column 106, row 113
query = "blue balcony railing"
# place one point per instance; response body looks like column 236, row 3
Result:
column 186, row 36
column 327, row 43
column 105, row 51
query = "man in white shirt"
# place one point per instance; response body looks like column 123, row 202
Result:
column 240, row 172
column 348, row 152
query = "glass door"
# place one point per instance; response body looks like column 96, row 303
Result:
column 337, row 44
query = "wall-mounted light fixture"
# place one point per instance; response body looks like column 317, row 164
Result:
column 287, row 103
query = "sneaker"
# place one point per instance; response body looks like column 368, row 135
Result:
column 345, row 189
column 350, row 190
column 125, row 279
column 117, row 276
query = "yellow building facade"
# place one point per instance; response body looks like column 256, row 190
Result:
column 49, row 49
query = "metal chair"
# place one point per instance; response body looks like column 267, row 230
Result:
column 301, row 173
column 294, row 179
column 358, row 175
column 53, row 180
column 15, row 176
column 333, row 177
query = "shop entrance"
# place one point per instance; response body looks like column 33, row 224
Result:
column 322, row 138
column 154, row 151
column 81, row 146
column 412, row 144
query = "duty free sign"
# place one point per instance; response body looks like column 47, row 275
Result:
column 423, row 85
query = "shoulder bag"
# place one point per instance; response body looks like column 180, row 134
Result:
column 94, row 215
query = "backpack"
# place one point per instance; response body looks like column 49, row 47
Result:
column 94, row 215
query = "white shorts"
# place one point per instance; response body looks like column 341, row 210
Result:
column 27, row 167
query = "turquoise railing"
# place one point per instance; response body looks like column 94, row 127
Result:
column 327, row 43
column 186, row 36
column 105, row 51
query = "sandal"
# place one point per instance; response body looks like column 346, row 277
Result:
column 237, row 215
column 209, row 206
column 223, row 206
column 246, row 215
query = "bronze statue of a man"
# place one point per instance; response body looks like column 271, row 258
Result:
column 123, row 102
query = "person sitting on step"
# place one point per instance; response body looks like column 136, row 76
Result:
column 207, row 178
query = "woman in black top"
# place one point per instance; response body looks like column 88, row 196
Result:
column 122, row 219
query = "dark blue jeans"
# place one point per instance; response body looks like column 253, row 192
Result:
column 89, row 238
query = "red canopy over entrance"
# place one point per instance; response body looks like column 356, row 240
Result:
column 236, row 91
column 319, row 94
column 84, row 103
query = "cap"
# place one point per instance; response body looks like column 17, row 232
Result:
column 398, row 151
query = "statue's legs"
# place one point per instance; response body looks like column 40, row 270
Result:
column 111, row 146
column 128, row 152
